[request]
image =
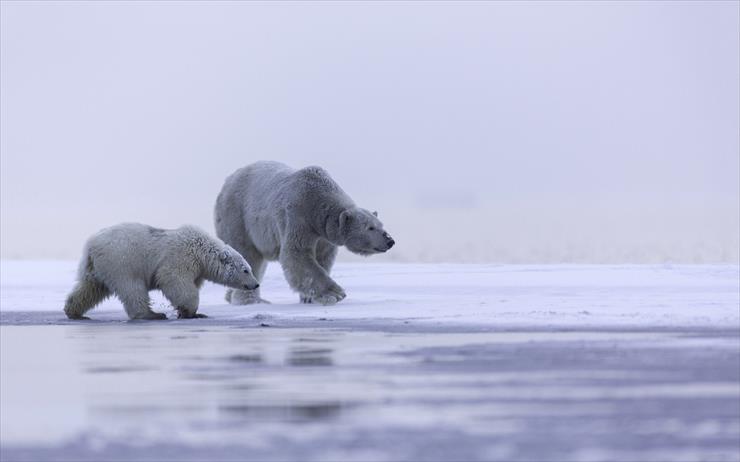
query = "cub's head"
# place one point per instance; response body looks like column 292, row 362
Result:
column 235, row 271
column 363, row 233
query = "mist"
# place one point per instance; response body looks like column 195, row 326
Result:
column 502, row 132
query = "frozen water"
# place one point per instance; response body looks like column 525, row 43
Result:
column 438, row 294
column 421, row 362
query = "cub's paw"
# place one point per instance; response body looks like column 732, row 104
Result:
column 151, row 316
column 184, row 314
column 78, row 318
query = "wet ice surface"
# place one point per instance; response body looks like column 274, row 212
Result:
column 446, row 295
column 356, row 382
column 251, row 393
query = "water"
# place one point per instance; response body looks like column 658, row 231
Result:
column 194, row 391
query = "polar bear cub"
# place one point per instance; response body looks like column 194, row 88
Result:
column 130, row 259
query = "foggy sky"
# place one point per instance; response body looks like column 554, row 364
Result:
column 493, row 132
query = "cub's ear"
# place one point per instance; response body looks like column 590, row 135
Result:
column 223, row 255
column 375, row 213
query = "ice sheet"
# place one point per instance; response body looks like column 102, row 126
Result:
column 444, row 294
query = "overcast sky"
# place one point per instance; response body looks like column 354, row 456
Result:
column 481, row 131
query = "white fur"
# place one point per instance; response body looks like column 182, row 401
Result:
column 130, row 259
column 269, row 211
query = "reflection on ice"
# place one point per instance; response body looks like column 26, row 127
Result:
column 255, row 358
column 311, row 393
column 283, row 413
column 310, row 357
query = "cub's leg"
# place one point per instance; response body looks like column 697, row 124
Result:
column 135, row 298
column 87, row 293
column 184, row 297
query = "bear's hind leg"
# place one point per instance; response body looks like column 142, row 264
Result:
column 87, row 293
column 135, row 298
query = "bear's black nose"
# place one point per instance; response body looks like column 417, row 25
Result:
column 391, row 242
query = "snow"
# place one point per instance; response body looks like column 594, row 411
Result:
column 420, row 362
column 446, row 294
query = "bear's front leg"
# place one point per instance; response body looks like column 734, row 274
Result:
column 308, row 278
column 184, row 296
column 134, row 295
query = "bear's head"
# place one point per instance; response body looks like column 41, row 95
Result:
column 362, row 232
column 235, row 272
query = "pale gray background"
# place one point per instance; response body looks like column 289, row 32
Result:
column 501, row 132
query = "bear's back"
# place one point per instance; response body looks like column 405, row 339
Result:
column 314, row 179
column 128, row 248
column 125, row 234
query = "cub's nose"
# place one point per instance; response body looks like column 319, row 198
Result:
column 254, row 287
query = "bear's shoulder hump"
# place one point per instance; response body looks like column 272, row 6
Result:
column 313, row 171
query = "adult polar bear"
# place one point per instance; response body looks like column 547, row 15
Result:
column 268, row 211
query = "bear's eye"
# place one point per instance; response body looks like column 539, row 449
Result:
column 371, row 228
column 246, row 271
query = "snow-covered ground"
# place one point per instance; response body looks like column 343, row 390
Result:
column 441, row 294
column 420, row 362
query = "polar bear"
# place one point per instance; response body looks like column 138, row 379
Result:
column 131, row 259
column 268, row 211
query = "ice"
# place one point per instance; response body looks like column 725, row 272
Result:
column 441, row 294
column 420, row 362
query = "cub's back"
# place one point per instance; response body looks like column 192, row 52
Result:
column 127, row 245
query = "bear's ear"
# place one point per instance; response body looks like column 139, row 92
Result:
column 375, row 213
column 223, row 255
column 344, row 219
